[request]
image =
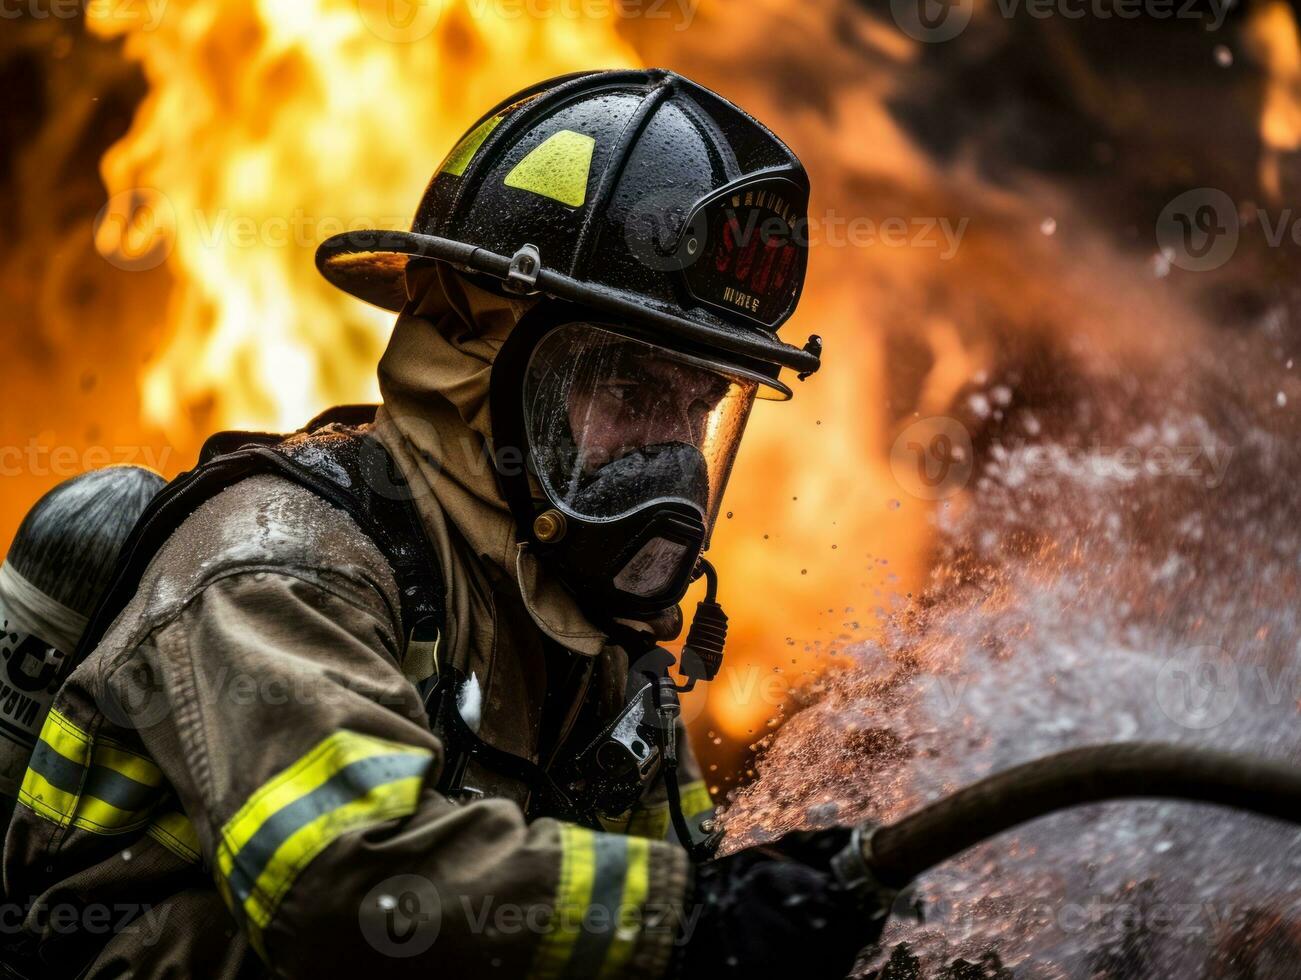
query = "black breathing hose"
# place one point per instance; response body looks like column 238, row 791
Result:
column 895, row 854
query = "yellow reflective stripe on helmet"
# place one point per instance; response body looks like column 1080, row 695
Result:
column 596, row 920
column 465, row 150
column 558, row 168
column 176, row 833
column 347, row 782
column 101, row 787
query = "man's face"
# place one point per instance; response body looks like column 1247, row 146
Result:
column 643, row 400
column 616, row 423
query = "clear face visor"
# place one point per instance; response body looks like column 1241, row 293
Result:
column 615, row 423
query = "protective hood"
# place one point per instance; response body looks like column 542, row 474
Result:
column 434, row 378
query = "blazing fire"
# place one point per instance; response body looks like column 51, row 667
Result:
column 269, row 127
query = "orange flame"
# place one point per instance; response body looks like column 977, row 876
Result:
column 269, row 126
column 1272, row 36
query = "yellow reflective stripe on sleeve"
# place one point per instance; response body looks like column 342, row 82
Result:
column 101, row 787
column 596, row 920
column 395, row 799
column 697, row 805
column 651, row 821
column 56, row 769
column 635, row 891
column 573, row 893
column 47, row 800
column 347, row 782
column 65, row 738
column 696, row 801
column 175, row 832
column 655, row 821
column 126, row 763
column 104, row 818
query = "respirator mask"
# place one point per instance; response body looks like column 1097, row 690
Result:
column 614, row 452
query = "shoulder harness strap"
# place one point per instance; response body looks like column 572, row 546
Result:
column 336, row 458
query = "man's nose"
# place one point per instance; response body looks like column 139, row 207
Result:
column 673, row 423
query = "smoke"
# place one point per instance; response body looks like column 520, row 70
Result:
column 1119, row 557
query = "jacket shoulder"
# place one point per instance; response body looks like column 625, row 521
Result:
column 262, row 524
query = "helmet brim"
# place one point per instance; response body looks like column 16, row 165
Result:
column 371, row 265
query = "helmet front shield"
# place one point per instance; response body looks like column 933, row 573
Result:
column 615, row 424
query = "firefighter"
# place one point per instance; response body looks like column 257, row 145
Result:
column 313, row 743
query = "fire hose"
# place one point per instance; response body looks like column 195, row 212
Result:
column 881, row 860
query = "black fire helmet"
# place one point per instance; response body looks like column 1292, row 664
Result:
column 636, row 193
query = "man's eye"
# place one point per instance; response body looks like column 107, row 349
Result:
column 622, row 391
